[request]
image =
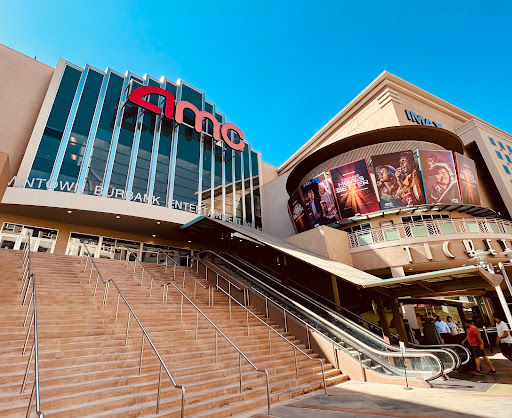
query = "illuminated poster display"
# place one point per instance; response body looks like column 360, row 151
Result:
column 468, row 183
column 297, row 213
column 353, row 189
column 398, row 182
column 439, row 176
column 319, row 201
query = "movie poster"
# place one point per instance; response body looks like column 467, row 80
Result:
column 319, row 201
column 468, row 182
column 353, row 189
column 297, row 213
column 398, row 182
column 439, row 176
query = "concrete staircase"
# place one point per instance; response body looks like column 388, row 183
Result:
column 87, row 370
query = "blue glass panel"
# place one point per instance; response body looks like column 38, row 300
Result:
column 186, row 181
column 101, row 145
column 247, row 183
column 75, row 148
column 52, row 135
column 256, row 187
column 506, row 169
column 492, row 141
column 499, row 155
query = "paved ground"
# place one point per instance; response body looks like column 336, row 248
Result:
column 463, row 395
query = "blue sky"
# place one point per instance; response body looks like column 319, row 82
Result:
column 281, row 70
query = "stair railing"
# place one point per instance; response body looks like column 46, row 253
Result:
column 185, row 273
column 28, row 278
column 410, row 354
column 131, row 312
column 217, row 330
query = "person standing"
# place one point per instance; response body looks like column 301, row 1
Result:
column 504, row 339
column 476, row 343
column 442, row 327
column 454, row 331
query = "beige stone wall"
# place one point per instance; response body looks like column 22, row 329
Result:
column 269, row 172
column 24, row 85
column 4, row 173
column 326, row 242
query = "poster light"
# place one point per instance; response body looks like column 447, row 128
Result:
column 439, row 177
column 398, row 182
column 319, row 200
column 468, row 183
column 353, row 189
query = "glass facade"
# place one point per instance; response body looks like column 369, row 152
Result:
column 96, row 142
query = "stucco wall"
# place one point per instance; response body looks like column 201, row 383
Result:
column 24, row 85
column 276, row 220
column 326, row 242
column 4, row 173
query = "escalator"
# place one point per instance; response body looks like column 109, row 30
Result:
column 351, row 333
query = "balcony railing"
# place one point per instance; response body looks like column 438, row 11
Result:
column 427, row 228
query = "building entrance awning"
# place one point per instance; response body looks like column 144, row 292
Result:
column 446, row 282
column 202, row 225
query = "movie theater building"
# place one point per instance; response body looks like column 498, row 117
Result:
column 347, row 199
column 400, row 196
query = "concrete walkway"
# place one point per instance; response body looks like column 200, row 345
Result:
column 463, row 395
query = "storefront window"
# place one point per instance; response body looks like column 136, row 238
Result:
column 12, row 236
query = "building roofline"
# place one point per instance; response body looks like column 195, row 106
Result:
column 384, row 79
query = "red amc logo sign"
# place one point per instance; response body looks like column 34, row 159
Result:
column 137, row 97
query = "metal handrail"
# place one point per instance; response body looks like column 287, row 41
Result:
column 432, row 227
column 167, row 256
column 370, row 323
column 144, row 333
column 198, row 311
column 27, row 277
column 295, row 347
column 417, row 353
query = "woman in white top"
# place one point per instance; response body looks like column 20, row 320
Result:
column 454, row 330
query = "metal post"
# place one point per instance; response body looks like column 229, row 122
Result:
column 174, row 272
column 230, row 309
column 505, row 276
column 151, row 287
column 86, row 261
column 28, row 335
column 183, row 279
column 30, row 402
column 181, row 309
column 296, row 367
column 266, row 307
column 197, row 322
column 141, row 353
column 90, row 274
column 95, row 287
column 127, row 328
column 195, row 285
column 28, row 369
column 28, row 309
column 159, row 386
column 240, row 370
column 215, row 346
column 142, row 276
column 117, row 307
column 269, row 342
column 285, row 324
column 247, row 314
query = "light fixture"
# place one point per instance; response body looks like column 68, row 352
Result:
column 189, row 241
column 158, row 222
column 410, row 269
column 154, row 235
column 118, row 216
column 70, row 211
column 257, row 246
column 240, row 240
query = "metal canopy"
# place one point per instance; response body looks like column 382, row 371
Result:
column 203, row 225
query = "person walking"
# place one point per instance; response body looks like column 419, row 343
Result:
column 476, row 343
column 504, row 339
column 454, row 330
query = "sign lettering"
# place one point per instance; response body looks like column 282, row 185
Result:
column 420, row 120
column 138, row 95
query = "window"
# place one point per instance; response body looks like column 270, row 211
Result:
column 508, row 158
column 501, row 145
column 499, row 155
column 509, row 149
column 506, row 169
column 360, row 227
column 417, row 218
column 492, row 141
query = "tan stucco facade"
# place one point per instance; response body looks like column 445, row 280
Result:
column 24, row 84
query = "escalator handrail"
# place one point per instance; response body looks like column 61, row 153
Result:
column 359, row 326
column 410, row 353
